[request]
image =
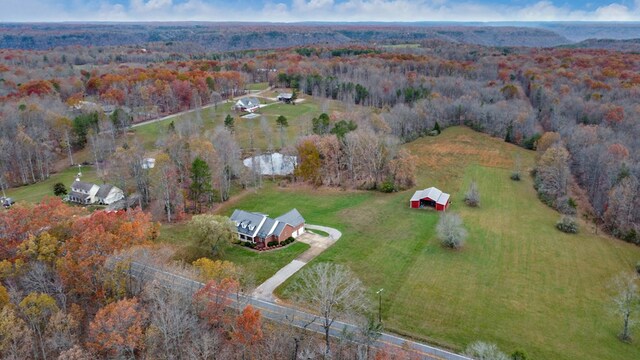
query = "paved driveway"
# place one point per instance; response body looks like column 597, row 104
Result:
column 318, row 245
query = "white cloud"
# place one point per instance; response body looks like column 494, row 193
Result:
column 150, row 5
column 314, row 10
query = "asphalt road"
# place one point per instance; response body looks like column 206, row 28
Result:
column 288, row 314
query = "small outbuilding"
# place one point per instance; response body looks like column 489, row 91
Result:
column 430, row 197
column 286, row 98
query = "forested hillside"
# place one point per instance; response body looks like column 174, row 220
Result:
column 242, row 36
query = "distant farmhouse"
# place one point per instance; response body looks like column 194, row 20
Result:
column 88, row 193
column 430, row 197
column 248, row 104
column 260, row 229
column 148, row 163
column 286, row 98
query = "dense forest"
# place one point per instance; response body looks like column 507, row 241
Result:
column 582, row 101
column 242, row 36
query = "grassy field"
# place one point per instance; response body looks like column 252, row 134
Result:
column 518, row 282
column 257, row 86
column 299, row 118
column 256, row 266
column 35, row 192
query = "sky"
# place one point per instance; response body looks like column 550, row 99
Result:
column 318, row 10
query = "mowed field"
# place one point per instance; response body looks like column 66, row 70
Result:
column 265, row 137
column 36, row 192
column 518, row 282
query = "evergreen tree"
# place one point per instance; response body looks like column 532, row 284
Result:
column 436, row 127
column 200, row 182
column 59, row 189
column 229, row 122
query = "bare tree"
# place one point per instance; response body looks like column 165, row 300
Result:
column 172, row 320
column 626, row 302
column 335, row 291
column 472, row 197
column 450, row 230
column 230, row 165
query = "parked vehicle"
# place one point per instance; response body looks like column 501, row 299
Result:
column 8, row 202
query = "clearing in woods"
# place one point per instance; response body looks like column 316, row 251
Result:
column 518, row 281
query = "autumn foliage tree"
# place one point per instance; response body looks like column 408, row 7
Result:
column 310, row 163
column 213, row 301
column 247, row 331
column 118, row 329
column 95, row 238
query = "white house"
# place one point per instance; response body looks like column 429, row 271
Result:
column 88, row 193
column 108, row 194
column 83, row 192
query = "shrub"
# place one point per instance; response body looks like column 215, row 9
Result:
column 567, row 224
column 450, row 231
column 531, row 142
column 433, row 133
column 249, row 244
column 566, row 206
column 638, row 267
column 387, row 187
column 515, row 176
column 519, row 355
column 631, row 236
column 272, row 243
column 485, row 351
column 288, row 241
column 472, row 197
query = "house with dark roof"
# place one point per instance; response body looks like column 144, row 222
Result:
column 285, row 97
column 83, row 192
column 260, row 229
column 88, row 193
column 248, row 104
column 430, row 198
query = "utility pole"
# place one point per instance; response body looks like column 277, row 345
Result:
column 379, row 292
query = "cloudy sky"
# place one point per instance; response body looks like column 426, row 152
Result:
column 319, row 10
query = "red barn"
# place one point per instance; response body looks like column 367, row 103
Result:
column 430, row 197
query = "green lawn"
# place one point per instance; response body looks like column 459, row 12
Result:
column 518, row 282
column 36, row 192
column 299, row 118
column 256, row 266
column 257, row 86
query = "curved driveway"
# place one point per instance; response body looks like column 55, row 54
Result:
column 318, row 245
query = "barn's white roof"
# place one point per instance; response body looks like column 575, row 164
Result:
column 432, row 193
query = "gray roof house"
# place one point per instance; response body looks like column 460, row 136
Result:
column 89, row 193
column 83, row 192
column 261, row 229
column 249, row 104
